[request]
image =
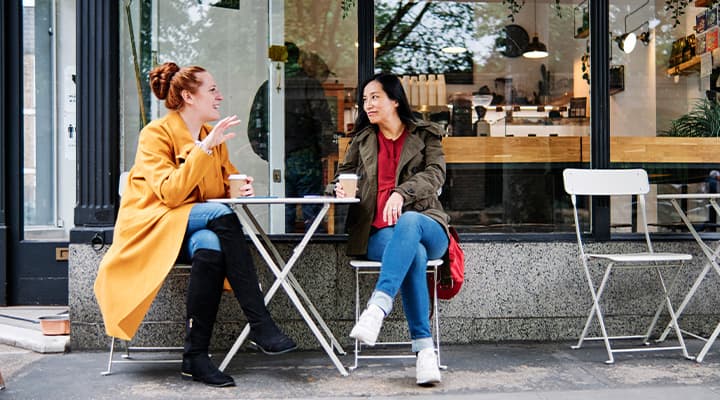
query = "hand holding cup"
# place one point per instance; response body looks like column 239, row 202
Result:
column 346, row 186
column 240, row 185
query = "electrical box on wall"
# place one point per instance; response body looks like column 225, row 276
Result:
column 617, row 79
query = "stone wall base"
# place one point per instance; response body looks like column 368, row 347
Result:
column 512, row 292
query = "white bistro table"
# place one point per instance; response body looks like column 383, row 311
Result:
column 282, row 268
column 710, row 254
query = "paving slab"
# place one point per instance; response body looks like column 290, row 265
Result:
column 477, row 371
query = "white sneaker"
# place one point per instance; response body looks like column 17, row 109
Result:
column 427, row 370
column 368, row 326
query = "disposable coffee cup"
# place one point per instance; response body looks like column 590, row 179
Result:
column 237, row 181
column 349, row 184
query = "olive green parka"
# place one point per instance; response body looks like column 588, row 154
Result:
column 419, row 178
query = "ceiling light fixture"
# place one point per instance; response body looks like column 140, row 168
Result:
column 627, row 42
column 375, row 45
column 453, row 50
column 536, row 48
column 628, row 39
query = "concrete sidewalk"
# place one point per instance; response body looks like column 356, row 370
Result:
column 482, row 371
column 506, row 371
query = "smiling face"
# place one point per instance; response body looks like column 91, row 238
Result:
column 205, row 102
column 379, row 107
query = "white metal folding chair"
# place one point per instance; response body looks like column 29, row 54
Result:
column 365, row 267
column 615, row 182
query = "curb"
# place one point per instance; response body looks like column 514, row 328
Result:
column 32, row 339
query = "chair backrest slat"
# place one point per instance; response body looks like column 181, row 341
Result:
column 122, row 182
column 606, row 182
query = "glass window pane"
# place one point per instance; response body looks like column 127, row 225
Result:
column 513, row 122
column 38, row 114
column 320, row 82
column 228, row 38
column 663, row 108
column 310, row 60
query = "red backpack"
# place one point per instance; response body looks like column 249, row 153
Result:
column 452, row 271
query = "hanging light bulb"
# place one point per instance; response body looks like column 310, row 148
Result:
column 536, row 48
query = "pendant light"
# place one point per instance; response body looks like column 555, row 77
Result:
column 536, row 48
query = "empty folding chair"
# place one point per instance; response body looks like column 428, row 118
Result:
column 365, row 267
column 615, row 182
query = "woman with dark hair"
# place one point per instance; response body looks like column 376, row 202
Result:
column 399, row 220
column 180, row 162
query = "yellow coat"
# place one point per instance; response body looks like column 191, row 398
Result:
column 170, row 175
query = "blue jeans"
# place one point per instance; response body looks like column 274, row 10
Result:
column 197, row 236
column 404, row 250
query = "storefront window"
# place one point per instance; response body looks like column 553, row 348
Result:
column 288, row 69
column 514, row 117
column 663, row 106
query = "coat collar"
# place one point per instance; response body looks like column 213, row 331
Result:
column 369, row 145
column 181, row 135
column 180, row 131
column 412, row 128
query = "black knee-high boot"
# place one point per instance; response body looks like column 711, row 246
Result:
column 240, row 272
column 203, row 299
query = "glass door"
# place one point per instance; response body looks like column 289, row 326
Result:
column 228, row 38
column 39, row 246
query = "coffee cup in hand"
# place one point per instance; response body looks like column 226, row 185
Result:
column 237, row 181
column 348, row 182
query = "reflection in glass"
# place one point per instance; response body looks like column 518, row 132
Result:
column 508, row 120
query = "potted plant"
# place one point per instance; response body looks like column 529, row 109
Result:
column 702, row 121
column 677, row 8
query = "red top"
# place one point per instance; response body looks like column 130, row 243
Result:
column 388, row 160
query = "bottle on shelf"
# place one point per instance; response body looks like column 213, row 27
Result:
column 441, row 90
column 432, row 90
column 422, row 90
column 414, row 92
column 405, row 82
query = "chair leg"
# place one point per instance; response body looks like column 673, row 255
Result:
column 2, row 382
column 357, row 317
column 596, row 311
column 656, row 317
column 673, row 316
column 110, row 358
column 436, row 312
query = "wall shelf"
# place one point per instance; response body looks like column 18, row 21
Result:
column 686, row 68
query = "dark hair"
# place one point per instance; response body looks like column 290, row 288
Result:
column 168, row 81
column 393, row 88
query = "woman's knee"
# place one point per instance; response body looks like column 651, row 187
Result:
column 409, row 224
column 204, row 239
column 409, row 218
column 421, row 258
column 211, row 210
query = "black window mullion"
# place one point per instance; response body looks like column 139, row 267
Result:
column 366, row 40
column 600, row 109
